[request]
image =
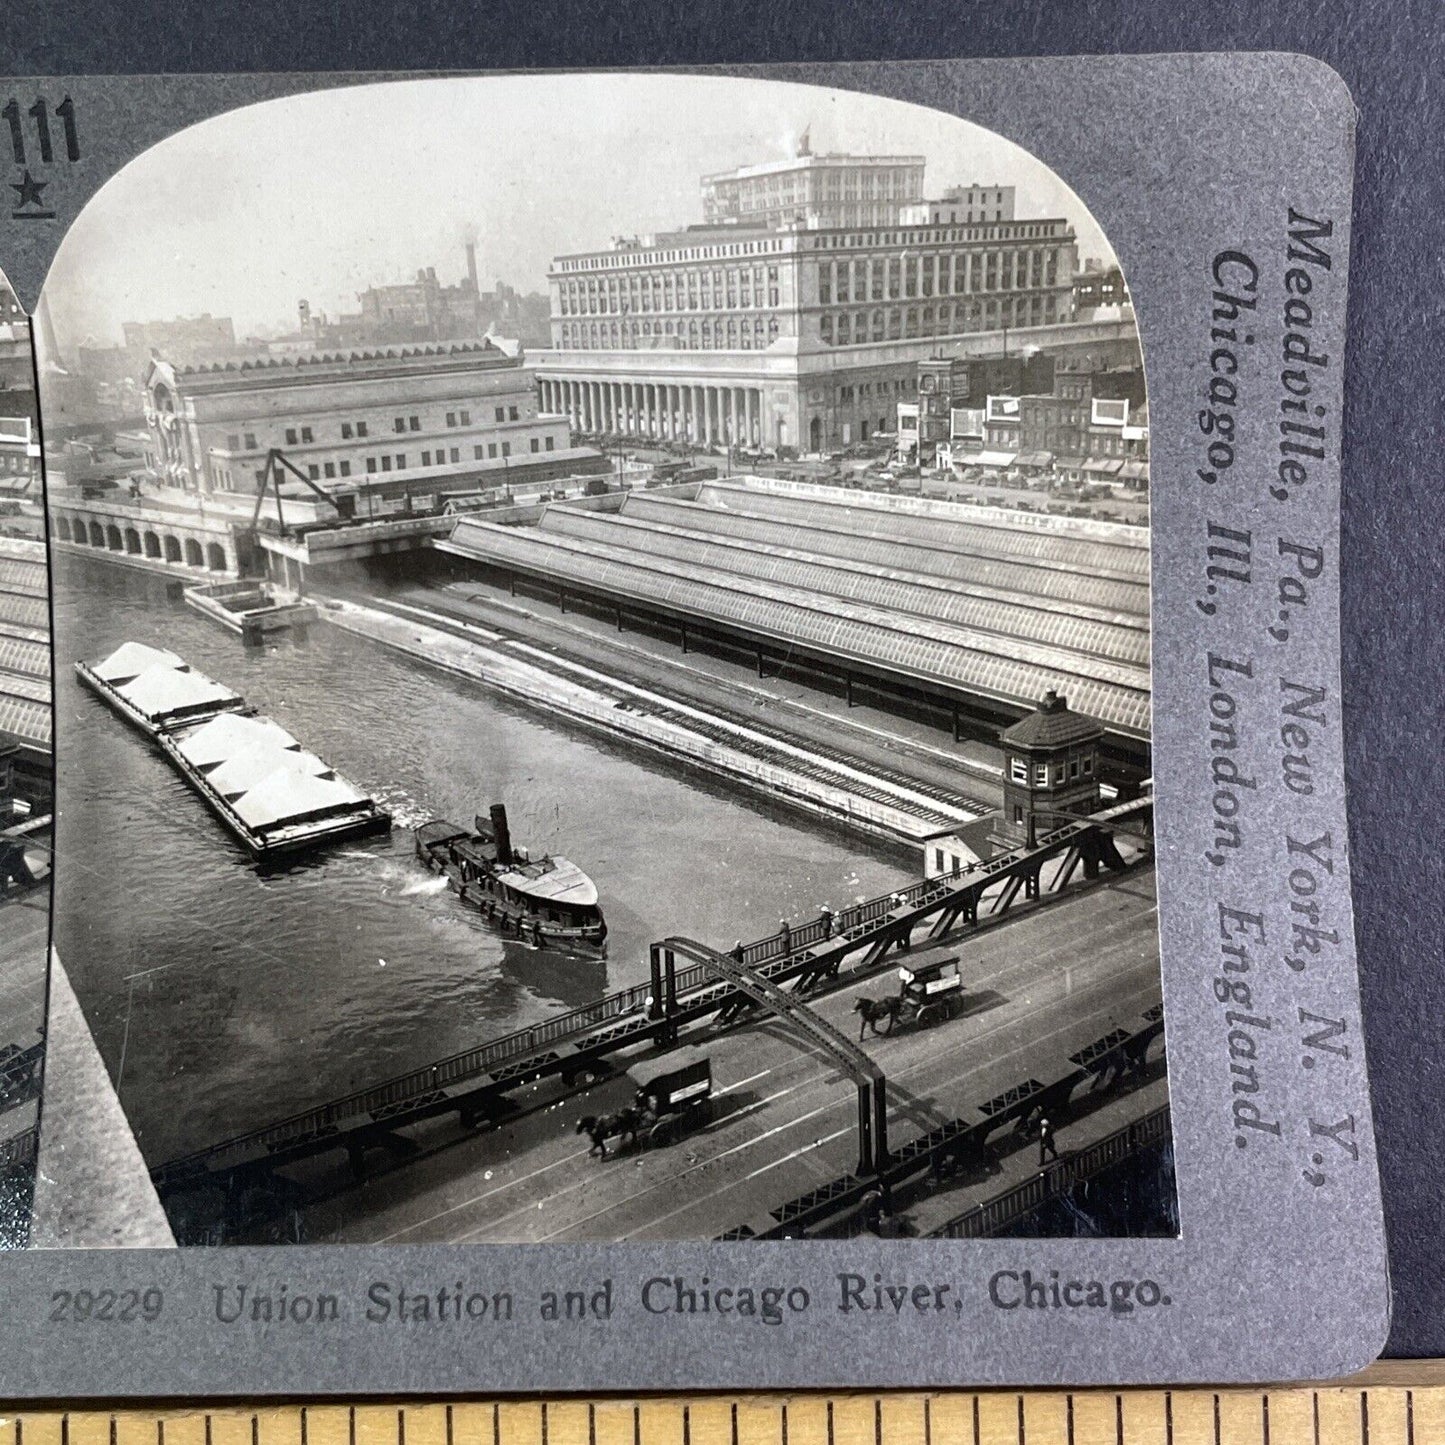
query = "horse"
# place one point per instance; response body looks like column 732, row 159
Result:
column 874, row 1011
column 623, row 1124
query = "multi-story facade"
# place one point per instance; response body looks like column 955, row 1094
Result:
column 351, row 421
column 799, row 338
column 968, row 204
column 947, row 384
column 830, row 191
column 19, row 455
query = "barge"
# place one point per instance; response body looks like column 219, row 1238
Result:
column 273, row 795
column 546, row 901
column 153, row 689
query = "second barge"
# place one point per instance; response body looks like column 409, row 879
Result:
column 546, row 901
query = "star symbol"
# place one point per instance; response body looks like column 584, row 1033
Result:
column 28, row 190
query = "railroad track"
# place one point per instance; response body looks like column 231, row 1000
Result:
column 896, row 783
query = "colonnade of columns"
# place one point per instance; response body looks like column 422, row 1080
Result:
column 700, row 414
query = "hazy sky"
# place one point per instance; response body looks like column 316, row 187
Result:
column 322, row 195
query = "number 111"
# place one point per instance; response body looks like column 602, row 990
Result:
column 39, row 113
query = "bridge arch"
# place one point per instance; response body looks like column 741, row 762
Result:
column 152, row 544
column 113, row 539
column 215, row 557
column 132, row 541
column 193, row 553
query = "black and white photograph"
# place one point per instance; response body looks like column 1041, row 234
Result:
column 26, row 772
column 603, row 648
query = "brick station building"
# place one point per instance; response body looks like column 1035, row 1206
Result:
column 385, row 420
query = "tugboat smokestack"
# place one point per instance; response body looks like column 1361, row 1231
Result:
column 501, row 834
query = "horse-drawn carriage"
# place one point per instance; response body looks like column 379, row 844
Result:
column 674, row 1096
column 927, row 995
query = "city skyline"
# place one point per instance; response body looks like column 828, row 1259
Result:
column 221, row 193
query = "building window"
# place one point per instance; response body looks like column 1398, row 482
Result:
column 456, row 454
column 346, row 431
column 549, row 444
column 1074, row 768
column 345, row 468
column 386, row 464
column 477, row 453
column 506, row 449
column 466, row 417
column 426, row 459
column 1041, row 775
column 306, row 434
column 1059, row 773
column 250, row 441
column 314, row 472
column 536, row 445
column 1018, row 813
column 399, row 424
column 233, row 443
column 361, row 428
column 512, row 413
column 938, row 859
column 290, row 436
column 1018, row 770
column 501, row 413
column 416, row 423
column 1088, row 766
column 492, row 451
column 329, row 469
column 371, row 464
column 401, row 461
column 451, row 418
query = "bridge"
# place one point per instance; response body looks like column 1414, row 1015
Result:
column 574, row 1047
column 186, row 540
column 811, row 1028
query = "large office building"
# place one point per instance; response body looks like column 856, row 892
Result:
column 969, row 204
column 830, row 191
column 390, row 420
column 767, row 328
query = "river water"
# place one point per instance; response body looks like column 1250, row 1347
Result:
column 222, row 999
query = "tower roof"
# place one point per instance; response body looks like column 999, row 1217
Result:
column 1052, row 725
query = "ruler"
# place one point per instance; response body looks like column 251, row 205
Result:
column 1375, row 1414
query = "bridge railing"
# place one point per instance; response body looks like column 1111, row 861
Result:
column 994, row 1215
column 525, row 1043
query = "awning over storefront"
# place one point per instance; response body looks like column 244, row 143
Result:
column 988, row 459
column 1107, row 467
column 1069, row 464
column 1134, row 472
column 1034, row 459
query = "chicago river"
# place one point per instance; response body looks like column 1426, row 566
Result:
column 222, row 999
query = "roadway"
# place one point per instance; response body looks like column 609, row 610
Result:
column 1041, row 985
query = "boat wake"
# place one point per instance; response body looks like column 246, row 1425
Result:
column 425, row 886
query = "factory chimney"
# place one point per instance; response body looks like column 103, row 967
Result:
column 501, row 834
column 472, row 267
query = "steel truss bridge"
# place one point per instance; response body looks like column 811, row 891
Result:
column 714, row 989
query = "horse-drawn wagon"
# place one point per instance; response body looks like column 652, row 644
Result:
column 927, row 995
column 674, row 1096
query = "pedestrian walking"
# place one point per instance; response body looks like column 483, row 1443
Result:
column 1047, row 1148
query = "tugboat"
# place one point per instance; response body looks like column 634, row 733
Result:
column 544, row 901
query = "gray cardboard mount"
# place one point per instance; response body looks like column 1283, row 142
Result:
column 1192, row 165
